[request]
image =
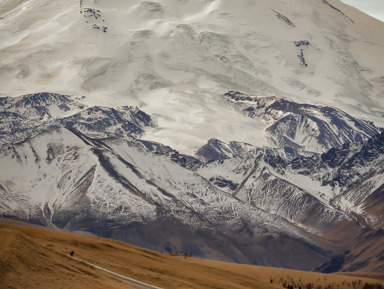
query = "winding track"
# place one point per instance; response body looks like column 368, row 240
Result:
column 131, row 281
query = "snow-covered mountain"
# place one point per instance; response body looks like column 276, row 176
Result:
column 115, row 187
column 246, row 131
column 174, row 59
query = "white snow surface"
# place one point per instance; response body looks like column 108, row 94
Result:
column 175, row 59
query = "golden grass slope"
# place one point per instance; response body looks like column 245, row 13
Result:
column 32, row 257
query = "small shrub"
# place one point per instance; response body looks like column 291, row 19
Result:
column 373, row 286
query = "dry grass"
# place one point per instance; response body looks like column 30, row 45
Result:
column 33, row 257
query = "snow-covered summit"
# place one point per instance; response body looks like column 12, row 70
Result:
column 173, row 58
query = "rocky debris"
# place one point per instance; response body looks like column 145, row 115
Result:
column 302, row 59
column 338, row 10
column 93, row 17
column 302, row 43
column 284, row 18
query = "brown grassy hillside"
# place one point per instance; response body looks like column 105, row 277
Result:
column 32, row 257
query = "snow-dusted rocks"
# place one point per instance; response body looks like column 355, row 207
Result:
column 303, row 127
column 67, row 180
column 27, row 115
column 338, row 182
